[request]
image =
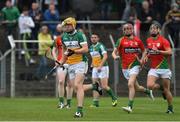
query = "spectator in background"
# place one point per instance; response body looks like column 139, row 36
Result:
column 173, row 18
column 160, row 8
column 22, row 3
column 133, row 18
column 130, row 15
column 45, row 4
column 25, row 24
column 59, row 30
column 138, row 5
column 127, row 11
column 10, row 17
column 146, row 14
column 48, row 2
column 83, row 8
column 45, row 41
column 36, row 15
column 105, row 9
column 52, row 15
column 63, row 6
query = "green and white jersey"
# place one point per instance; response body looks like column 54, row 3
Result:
column 97, row 52
column 74, row 41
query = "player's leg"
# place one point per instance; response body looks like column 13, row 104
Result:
column 151, row 80
column 80, row 71
column 167, row 92
column 105, row 86
column 69, row 92
column 104, row 77
column 79, row 79
column 61, row 75
column 143, row 89
column 131, row 86
column 94, row 86
column 95, row 95
column 95, row 79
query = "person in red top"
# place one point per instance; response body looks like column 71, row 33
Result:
column 62, row 73
column 129, row 47
column 158, row 52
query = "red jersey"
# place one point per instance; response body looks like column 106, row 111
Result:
column 158, row 61
column 128, row 50
column 58, row 44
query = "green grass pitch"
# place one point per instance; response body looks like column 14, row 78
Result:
column 45, row 109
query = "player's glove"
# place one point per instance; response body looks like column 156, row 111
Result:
column 69, row 52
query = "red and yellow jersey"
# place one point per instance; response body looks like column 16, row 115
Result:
column 128, row 50
column 158, row 61
column 58, row 45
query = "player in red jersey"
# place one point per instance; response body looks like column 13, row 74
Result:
column 129, row 47
column 158, row 51
column 62, row 73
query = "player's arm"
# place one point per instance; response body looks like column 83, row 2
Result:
column 167, row 48
column 105, row 56
column 83, row 43
column 54, row 53
column 167, row 51
column 144, row 57
column 115, row 53
column 64, row 57
column 83, row 49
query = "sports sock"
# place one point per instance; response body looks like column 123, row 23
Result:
column 94, row 86
column 147, row 91
column 61, row 99
column 170, row 107
column 111, row 93
column 79, row 109
column 130, row 103
column 69, row 102
column 96, row 102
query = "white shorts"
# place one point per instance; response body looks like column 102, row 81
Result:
column 74, row 69
column 160, row 73
column 104, row 73
column 128, row 72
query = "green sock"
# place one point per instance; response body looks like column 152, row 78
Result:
column 130, row 103
column 147, row 91
column 94, row 86
column 111, row 93
column 79, row 109
column 96, row 103
column 69, row 102
column 170, row 107
column 61, row 99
